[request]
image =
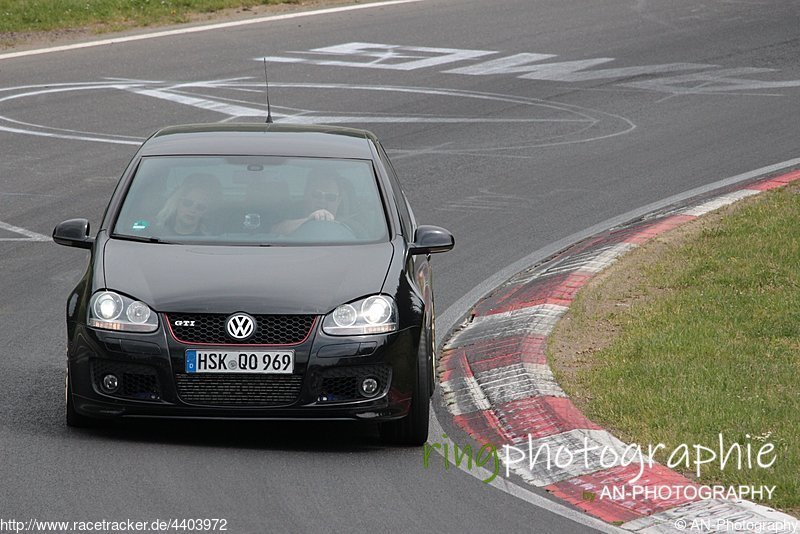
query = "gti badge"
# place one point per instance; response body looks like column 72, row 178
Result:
column 240, row 326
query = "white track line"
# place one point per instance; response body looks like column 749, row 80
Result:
column 195, row 29
column 455, row 314
column 517, row 491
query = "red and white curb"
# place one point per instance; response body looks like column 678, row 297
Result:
column 497, row 385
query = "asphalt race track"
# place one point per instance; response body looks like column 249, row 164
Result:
column 512, row 123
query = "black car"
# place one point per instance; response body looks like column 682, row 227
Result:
column 258, row 271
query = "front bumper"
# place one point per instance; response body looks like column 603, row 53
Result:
column 153, row 382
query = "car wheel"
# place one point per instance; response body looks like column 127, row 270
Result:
column 432, row 358
column 75, row 419
column 412, row 430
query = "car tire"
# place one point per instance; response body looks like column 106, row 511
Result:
column 412, row 430
column 432, row 359
column 75, row 419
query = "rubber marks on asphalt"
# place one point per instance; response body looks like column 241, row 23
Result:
column 648, row 231
column 558, row 290
column 497, row 384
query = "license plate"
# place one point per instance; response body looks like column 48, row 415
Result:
column 245, row 361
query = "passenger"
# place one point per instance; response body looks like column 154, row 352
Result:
column 185, row 213
column 322, row 201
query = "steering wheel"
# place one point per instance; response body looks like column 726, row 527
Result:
column 325, row 230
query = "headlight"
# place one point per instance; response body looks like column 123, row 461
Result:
column 372, row 315
column 111, row 311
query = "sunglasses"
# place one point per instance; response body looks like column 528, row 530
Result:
column 323, row 195
column 198, row 205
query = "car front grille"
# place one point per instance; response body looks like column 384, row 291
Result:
column 238, row 389
column 209, row 328
column 138, row 382
column 340, row 384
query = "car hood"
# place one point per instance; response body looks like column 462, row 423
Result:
column 258, row 280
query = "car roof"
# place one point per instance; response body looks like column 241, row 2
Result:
column 260, row 139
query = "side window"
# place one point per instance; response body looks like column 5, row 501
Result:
column 406, row 218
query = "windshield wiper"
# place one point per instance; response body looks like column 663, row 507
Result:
column 143, row 239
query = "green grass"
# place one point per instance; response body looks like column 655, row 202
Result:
column 711, row 346
column 45, row 15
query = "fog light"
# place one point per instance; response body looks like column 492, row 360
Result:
column 369, row 387
column 110, row 383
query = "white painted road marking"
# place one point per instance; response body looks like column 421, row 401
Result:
column 713, row 82
column 575, row 125
column 529, row 66
column 28, row 235
column 567, row 71
column 202, row 103
column 62, row 133
column 195, row 29
column 303, row 117
column 386, row 56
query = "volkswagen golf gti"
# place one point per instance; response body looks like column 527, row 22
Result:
column 255, row 271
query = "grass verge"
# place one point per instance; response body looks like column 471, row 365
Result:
column 697, row 334
column 108, row 15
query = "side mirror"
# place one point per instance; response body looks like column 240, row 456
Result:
column 73, row 233
column 431, row 239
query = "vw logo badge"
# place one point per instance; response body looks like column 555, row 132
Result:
column 240, row 326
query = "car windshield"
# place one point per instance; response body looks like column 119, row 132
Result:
column 255, row 200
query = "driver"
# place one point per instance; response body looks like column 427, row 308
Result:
column 321, row 200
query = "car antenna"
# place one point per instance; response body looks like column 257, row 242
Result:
column 266, row 83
